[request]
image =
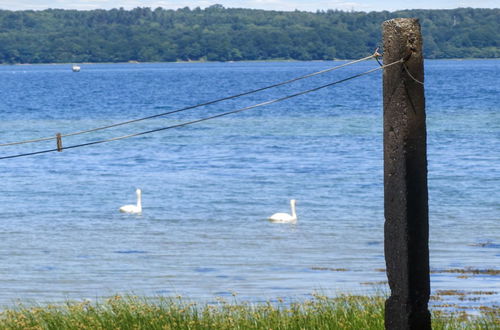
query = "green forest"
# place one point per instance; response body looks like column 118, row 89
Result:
column 229, row 34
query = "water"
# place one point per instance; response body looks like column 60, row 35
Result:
column 208, row 188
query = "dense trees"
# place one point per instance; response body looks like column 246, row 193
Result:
column 221, row 34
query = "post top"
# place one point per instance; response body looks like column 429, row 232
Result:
column 402, row 22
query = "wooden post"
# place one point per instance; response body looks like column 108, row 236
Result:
column 59, row 142
column 406, row 228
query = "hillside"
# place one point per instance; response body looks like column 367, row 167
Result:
column 223, row 34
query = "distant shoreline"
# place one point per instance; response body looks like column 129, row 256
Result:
column 222, row 34
column 229, row 62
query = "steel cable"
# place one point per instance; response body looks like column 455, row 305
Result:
column 374, row 55
column 210, row 117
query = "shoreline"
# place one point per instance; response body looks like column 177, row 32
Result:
column 242, row 61
column 318, row 312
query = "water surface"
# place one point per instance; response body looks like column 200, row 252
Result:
column 208, row 188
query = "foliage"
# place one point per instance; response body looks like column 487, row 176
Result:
column 229, row 34
column 344, row 312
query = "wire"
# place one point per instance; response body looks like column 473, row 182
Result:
column 411, row 76
column 211, row 117
column 374, row 55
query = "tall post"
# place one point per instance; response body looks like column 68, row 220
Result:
column 406, row 228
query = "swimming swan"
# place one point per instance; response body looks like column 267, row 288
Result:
column 134, row 209
column 285, row 217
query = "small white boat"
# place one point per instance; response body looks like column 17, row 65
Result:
column 75, row 68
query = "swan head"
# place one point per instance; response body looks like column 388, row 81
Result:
column 293, row 201
column 138, row 191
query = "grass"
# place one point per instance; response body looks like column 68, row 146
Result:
column 321, row 312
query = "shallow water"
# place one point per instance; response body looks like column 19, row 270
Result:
column 208, row 188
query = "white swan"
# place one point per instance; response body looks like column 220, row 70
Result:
column 285, row 217
column 134, row 209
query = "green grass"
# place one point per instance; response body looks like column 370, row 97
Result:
column 321, row 312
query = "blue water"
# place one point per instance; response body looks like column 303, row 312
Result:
column 208, row 188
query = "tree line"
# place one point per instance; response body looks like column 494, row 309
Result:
column 229, row 34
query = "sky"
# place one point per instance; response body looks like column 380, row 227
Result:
column 286, row 5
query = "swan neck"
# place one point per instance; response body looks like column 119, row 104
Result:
column 292, row 205
column 139, row 200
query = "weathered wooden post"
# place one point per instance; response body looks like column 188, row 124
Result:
column 406, row 227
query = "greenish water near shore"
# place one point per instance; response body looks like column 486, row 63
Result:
column 320, row 312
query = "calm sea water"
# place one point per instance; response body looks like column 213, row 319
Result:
column 208, row 188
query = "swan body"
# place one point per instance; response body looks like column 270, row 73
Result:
column 285, row 217
column 134, row 209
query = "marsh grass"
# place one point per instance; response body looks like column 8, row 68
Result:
column 321, row 312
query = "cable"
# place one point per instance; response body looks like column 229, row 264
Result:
column 411, row 76
column 211, row 117
column 375, row 54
